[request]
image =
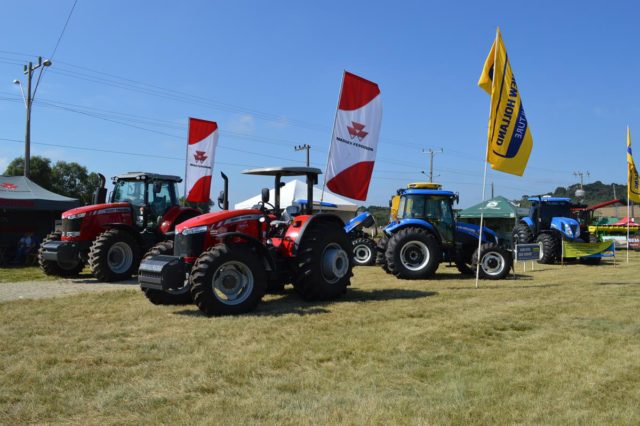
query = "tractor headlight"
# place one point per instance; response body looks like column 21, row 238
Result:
column 567, row 230
column 196, row 230
column 76, row 216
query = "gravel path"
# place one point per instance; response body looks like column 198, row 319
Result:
column 57, row 288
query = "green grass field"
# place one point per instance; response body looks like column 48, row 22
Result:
column 23, row 273
column 560, row 345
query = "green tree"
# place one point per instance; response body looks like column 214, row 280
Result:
column 73, row 180
column 40, row 170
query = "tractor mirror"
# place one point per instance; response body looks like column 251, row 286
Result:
column 265, row 195
column 457, row 198
column 293, row 210
column 221, row 199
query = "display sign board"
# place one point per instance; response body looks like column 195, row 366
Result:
column 526, row 252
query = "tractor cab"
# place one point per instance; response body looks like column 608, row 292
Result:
column 151, row 195
column 548, row 213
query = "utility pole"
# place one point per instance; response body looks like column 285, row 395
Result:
column 28, row 101
column 581, row 175
column 431, row 154
column 613, row 185
column 304, row 147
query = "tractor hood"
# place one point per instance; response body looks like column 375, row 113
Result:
column 211, row 218
column 95, row 209
column 569, row 227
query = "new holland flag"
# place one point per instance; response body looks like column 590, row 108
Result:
column 633, row 181
column 510, row 140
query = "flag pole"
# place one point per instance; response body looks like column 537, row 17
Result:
column 186, row 162
column 628, row 191
column 335, row 119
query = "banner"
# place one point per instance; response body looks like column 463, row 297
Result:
column 509, row 138
column 633, row 181
column 201, row 150
column 573, row 250
column 354, row 142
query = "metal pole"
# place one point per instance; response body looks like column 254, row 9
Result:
column 335, row 119
column 27, row 135
column 432, row 154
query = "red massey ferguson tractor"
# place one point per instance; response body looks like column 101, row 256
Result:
column 226, row 261
column 112, row 237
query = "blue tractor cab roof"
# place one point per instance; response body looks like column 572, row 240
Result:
column 317, row 203
column 428, row 192
column 550, row 199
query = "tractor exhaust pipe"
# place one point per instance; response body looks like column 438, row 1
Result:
column 100, row 194
column 223, row 198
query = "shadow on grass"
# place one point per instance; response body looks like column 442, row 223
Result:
column 89, row 279
column 291, row 303
column 483, row 286
column 617, row 283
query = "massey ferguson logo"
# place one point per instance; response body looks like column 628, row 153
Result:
column 7, row 185
column 200, row 156
column 356, row 130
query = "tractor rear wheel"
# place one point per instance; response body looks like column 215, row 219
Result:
column 174, row 296
column 323, row 266
column 364, row 252
column 51, row 267
column 228, row 280
column 114, row 255
column 495, row 262
column 551, row 248
column 413, row 253
column 522, row 234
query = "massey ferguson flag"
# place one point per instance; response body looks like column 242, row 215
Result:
column 355, row 138
column 201, row 150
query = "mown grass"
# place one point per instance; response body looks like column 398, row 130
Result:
column 21, row 273
column 560, row 345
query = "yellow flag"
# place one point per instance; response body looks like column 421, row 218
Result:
column 510, row 140
column 633, row 181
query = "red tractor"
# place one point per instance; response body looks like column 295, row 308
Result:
column 226, row 261
column 112, row 237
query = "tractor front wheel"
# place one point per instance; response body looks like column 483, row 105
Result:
column 413, row 253
column 51, row 267
column 495, row 262
column 522, row 234
column 551, row 248
column 323, row 266
column 364, row 251
column 114, row 255
column 173, row 296
column 228, row 280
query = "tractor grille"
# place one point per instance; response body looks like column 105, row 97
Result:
column 71, row 225
column 188, row 245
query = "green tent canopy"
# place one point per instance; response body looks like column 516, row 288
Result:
column 498, row 207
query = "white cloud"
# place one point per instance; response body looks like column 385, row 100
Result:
column 280, row 123
column 245, row 123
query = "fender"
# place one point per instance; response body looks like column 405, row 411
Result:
column 394, row 227
column 173, row 214
column 310, row 221
column 254, row 242
column 474, row 231
column 528, row 221
column 363, row 220
column 568, row 227
column 131, row 230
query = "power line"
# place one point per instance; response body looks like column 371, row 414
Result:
column 55, row 49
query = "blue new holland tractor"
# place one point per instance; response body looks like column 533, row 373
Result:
column 549, row 222
column 423, row 233
column 364, row 247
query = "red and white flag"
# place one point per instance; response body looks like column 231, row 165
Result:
column 201, row 150
column 355, row 138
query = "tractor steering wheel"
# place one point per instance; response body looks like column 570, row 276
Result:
column 263, row 204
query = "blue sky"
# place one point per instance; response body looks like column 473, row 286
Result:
column 128, row 74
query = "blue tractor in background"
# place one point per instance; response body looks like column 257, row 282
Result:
column 364, row 247
column 549, row 222
column 423, row 232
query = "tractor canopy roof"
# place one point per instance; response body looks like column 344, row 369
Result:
column 428, row 192
column 146, row 176
column 283, row 171
column 550, row 199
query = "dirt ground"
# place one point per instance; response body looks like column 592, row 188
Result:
column 56, row 288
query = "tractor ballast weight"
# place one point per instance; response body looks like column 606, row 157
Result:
column 549, row 222
column 111, row 237
column 226, row 261
column 424, row 233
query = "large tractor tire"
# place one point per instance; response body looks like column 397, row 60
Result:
column 228, row 280
column 114, row 255
column 413, row 253
column 51, row 267
column 381, row 248
column 522, row 234
column 495, row 262
column 323, row 265
column 551, row 248
column 464, row 262
column 174, row 296
column 364, row 252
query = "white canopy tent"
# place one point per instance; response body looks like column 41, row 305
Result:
column 296, row 190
